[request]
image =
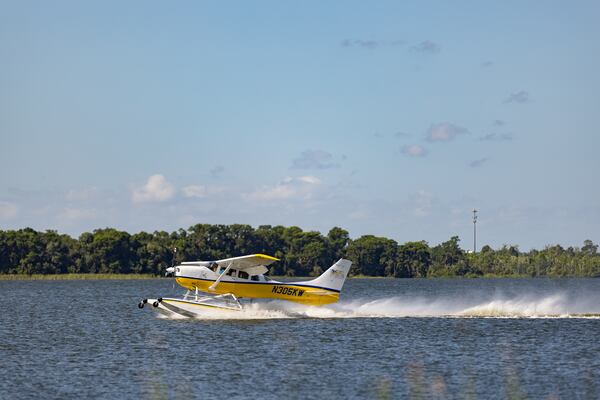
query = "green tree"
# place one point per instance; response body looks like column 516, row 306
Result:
column 373, row 256
column 27, row 251
column 589, row 248
column 449, row 259
column 106, row 251
column 414, row 259
column 338, row 239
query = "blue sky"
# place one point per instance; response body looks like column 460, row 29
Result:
column 386, row 118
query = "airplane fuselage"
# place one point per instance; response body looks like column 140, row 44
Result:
column 255, row 286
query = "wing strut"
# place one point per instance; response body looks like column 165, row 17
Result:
column 214, row 285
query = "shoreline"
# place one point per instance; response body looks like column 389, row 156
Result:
column 75, row 277
column 110, row 276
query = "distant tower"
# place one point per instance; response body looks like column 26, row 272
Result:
column 474, row 230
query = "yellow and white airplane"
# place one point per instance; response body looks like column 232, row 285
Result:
column 226, row 281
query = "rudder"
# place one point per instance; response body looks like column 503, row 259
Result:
column 334, row 277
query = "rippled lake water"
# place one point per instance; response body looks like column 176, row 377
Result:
column 386, row 338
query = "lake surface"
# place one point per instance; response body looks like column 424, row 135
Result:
column 386, row 338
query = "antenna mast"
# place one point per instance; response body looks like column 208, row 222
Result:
column 474, row 230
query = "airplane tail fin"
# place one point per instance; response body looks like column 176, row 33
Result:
column 334, row 277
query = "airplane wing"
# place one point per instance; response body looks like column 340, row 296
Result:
column 253, row 264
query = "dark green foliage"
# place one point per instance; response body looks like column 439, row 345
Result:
column 414, row 260
column 107, row 251
column 27, row 251
column 338, row 240
column 373, row 256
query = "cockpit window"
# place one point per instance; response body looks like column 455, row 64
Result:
column 243, row 275
column 254, row 278
column 232, row 272
column 266, row 278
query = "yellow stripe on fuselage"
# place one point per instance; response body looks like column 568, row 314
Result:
column 284, row 291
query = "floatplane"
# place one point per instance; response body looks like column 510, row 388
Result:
column 220, row 285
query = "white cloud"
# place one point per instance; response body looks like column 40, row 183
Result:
column 414, row 150
column 289, row 188
column 197, row 191
column 279, row 192
column 313, row 180
column 8, row 210
column 444, row 132
column 201, row 191
column 156, row 189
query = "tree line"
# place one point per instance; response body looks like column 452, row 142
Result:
column 302, row 253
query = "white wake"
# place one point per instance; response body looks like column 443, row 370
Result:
column 557, row 305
